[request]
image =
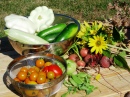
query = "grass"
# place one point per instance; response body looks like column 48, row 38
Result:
column 88, row 10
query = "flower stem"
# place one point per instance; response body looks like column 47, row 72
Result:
column 128, row 50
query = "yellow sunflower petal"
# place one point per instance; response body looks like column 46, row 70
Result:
column 87, row 25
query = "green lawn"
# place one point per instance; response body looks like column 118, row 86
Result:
column 88, row 10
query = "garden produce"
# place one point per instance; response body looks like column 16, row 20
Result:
column 55, row 29
column 74, row 57
column 84, row 52
column 20, row 23
column 42, row 17
column 40, row 63
column 56, row 69
column 29, row 92
column 71, row 66
column 77, row 82
column 23, row 37
column 50, row 38
column 40, row 75
column 81, row 63
column 68, row 32
column 60, row 65
column 105, row 62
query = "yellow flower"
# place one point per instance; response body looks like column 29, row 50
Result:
column 98, row 76
column 96, row 25
column 87, row 25
column 82, row 31
column 93, row 32
column 97, row 43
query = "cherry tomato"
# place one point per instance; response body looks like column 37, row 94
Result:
column 47, row 80
column 50, row 75
column 36, row 68
column 47, row 64
column 22, row 75
column 33, row 76
column 24, row 69
column 27, row 80
column 42, row 73
column 56, row 69
column 45, row 69
column 32, row 83
column 16, row 79
column 40, row 63
column 41, row 79
column 30, row 92
column 31, row 70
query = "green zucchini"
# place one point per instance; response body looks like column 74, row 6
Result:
column 23, row 37
column 50, row 38
column 70, row 31
column 52, row 30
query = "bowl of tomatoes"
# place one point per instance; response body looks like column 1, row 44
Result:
column 37, row 75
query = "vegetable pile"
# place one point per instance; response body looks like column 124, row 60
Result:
column 42, row 72
column 79, row 82
column 38, row 27
column 92, row 49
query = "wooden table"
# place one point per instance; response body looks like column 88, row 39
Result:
column 121, row 82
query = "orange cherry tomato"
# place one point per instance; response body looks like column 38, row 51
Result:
column 50, row 75
column 41, row 79
column 31, row 70
column 47, row 80
column 32, row 83
column 42, row 73
column 33, row 76
column 47, row 64
column 24, row 69
column 22, row 75
column 29, row 92
column 40, row 63
column 36, row 68
column 16, row 79
column 27, row 80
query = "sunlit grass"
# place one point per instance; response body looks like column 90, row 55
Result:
column 88, row 10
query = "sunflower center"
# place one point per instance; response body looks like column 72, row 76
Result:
column 98, row 43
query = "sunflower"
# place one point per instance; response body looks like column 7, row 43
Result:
column 98, row 44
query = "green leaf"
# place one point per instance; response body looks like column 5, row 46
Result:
column 65, row 94
column 122, row 34
column 107, row 53
column 81, row 74
column 121, row 62
column 123, row 54
column 116, row 34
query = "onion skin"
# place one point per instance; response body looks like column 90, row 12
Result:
column 105, row 62
column 84, row 52
column 81, row 63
